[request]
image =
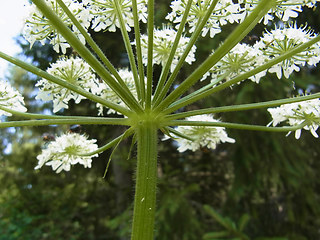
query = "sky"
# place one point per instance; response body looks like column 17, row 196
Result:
column 12, row 13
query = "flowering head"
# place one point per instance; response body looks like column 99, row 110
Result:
column 307, row 113
column 241, row 59
column 11, row 99
column 107, row 93
column 281, row 40
column 72, row 70
column 38, row 27
column 163, row 41
column 202, row 136
column 105, row 14
column 226, row 11
column 66, row 150
column 128, row 91
column 282, row 9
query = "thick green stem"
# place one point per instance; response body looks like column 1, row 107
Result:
column 146, row 178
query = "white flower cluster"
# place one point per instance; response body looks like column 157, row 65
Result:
column 283, row 9
column 107, row 93
column 72, row 70
column 226, row 11
column 162, row 44
column 202, row 136
column 38, row 27
column 105, row 15
column 67, row 150
column 242, row 58
column 298, row 113
column 101, row 14
column 10, row 98
column 282, row 40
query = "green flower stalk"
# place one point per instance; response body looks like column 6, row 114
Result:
column 146, row 105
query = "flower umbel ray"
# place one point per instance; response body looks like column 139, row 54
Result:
column 87, row 55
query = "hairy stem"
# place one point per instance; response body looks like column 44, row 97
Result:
column 146, row 178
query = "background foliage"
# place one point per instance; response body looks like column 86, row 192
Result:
column 267, row 176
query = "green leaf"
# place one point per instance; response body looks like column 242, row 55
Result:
column 243, row 221
column 271, row 238
column 224, row 222
column 214, row 235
